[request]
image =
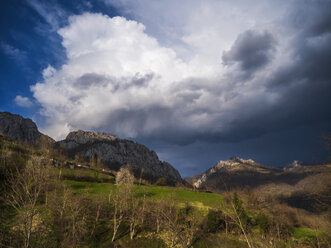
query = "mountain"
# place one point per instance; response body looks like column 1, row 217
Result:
column 114, row 152
column 302, row 186
column 17, row 128
column 232, row 173
column 237, row 173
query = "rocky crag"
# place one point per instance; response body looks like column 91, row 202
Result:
column 19, row 129
column 234, row 173
column 114, row 153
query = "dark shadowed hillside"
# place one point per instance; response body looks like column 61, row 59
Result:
column 23, row 130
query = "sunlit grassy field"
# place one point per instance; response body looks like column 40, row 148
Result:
column 198, row 199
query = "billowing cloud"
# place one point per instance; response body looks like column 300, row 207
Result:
column 121, row 80
column 118, row 78
column 22, row 101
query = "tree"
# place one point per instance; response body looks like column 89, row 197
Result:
column 24, row 190
column 70, row 216
column 125, row 176
column 95, row 165
column 120, row 198
column 240, row 217
column 182, row 224
column 136, row 214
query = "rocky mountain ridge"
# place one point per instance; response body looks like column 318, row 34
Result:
column 237, row 173
column 111, row 151
column 232, row 165
column 114, row 153
column 24, row 130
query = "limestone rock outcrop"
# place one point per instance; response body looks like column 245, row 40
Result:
column 115, row 152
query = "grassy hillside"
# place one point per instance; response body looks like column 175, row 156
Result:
column 47, row 204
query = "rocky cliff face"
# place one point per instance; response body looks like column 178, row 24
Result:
column 115, row 152
column 17, row 128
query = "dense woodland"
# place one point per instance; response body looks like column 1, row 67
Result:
column 47, row 203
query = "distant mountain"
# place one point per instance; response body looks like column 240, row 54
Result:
column 237, row 173
column 232, row 173
column 115, row 152
column 301, row 186
column 17, row 128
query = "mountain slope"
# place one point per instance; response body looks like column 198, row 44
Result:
column 115, row 152
column 17, row 128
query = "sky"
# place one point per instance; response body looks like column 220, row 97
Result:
column 197, row 81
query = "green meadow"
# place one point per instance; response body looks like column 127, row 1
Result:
column 200, row 200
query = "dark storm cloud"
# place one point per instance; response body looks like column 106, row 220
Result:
column 303, row 87
column 252, row 50
column 307, row 83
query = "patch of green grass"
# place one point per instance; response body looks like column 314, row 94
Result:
column 81, row 175
column 310, row 236
column 198, row 199
column 90, row 187
column 305, row 232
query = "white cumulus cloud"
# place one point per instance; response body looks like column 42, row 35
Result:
column 23, row 101
column 121, row 80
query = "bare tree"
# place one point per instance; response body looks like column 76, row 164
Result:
column 190, row 226
column 182, row 224
column 25, row 188
column 120, row 198
column 136, row 214
column 70, row 216
column 125, row 176
column 155, row 209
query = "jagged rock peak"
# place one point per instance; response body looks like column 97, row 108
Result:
column 83, row 137
column 24, row 130
column 295, row 164
column 234, row 161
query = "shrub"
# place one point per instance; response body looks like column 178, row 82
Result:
column 162, row 181
column 125, row 175
column 262, row 222
column 214, row 221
